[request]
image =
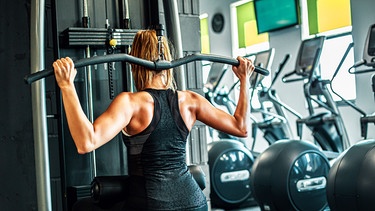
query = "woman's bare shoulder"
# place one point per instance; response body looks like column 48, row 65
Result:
column 190, row 98
column 189, row 94
column 134, row 97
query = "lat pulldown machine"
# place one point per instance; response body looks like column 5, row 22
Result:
column 102, row 188
column 123, row 37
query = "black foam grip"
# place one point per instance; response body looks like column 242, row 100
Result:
column 107, row 190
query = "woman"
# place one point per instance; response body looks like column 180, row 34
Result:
column 155, row 121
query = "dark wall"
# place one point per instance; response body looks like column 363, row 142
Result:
column 17, row 168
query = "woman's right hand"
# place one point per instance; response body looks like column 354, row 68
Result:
column 64, row 72
column 244, row 69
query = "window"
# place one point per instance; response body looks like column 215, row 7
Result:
column 333, row 52
column 205, row 38
column 205, row 44
column 245, row 37
column 331, row 18
column 328, row 15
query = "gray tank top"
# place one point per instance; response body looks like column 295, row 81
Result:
column 158, row 155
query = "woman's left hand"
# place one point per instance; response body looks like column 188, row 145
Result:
column 64, row 72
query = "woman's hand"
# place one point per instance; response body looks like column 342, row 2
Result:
column 244, row 69
column 64, row 72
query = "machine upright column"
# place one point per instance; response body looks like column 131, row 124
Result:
column 42, row 170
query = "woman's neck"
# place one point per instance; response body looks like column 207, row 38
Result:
column 158, row 82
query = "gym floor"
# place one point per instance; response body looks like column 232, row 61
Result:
column 242, row 209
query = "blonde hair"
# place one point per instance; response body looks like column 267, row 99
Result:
column 145, row 46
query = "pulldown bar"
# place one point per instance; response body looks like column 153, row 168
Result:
column 157, row 65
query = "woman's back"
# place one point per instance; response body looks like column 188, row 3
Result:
column 158, row 154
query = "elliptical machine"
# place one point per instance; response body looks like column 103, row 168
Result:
column 350, row 183
column 229, row 161
column 291, row 174
column 327, row 127
column 275, row 125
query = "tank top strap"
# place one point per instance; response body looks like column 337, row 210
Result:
column 175, row 110
column 167, row 98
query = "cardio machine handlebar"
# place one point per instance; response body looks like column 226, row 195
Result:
column 157, row 65
column 281, row 67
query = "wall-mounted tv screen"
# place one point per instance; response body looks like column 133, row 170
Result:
column 272, row 15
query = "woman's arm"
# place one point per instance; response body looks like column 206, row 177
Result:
column 88, row 136
column 237, row 123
